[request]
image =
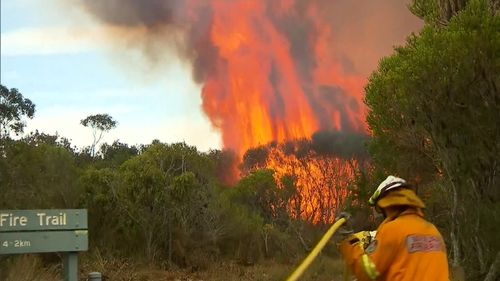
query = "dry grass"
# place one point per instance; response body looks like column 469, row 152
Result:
column 111, row 269
column 323, row 269
column 30, row 268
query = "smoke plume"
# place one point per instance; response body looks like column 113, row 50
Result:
column 270, row 70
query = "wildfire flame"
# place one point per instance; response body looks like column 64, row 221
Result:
column 259, row 91
column 270, row 70
column 274, row 70
column 321, row 182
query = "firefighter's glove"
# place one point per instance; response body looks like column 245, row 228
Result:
column 355, row 245
column 344, row 215
column 349, row 251
column 362, row 238
column 345, row 229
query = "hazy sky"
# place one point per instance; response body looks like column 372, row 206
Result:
column 60, row 60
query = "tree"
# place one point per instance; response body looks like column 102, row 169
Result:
column 113, row 155
column 434, row 111
column 441, row 11
column 165, row 196
column 13, row 107
column 37, row 174
column 100, row 123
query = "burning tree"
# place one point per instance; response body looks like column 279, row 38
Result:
column 272, row 71
column 318, row 173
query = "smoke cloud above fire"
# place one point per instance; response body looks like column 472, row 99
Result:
column 270, row 70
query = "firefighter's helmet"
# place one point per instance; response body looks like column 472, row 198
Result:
column 394, row 191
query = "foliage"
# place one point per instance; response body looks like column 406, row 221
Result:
column 440, row 12
column 260, row 193
column 28, row 268
column 226, row 166
column 427, row 10
column 312, row 175
column 35, row 174
column 434, row 111
column 340, row 144
column 115, row 154
column 332, row 144
column 13, row 107
column 100, row 123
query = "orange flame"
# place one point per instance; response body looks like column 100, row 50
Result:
column 274, row 70
column 259, row 92
column 270, row 70
column 320, row 182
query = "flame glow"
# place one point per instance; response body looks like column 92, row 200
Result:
column 270, row 70
column 273, row 71
column 320, row 183
column 259, row 92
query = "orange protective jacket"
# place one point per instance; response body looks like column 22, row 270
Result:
column 406, row 247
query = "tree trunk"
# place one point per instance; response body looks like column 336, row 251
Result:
column 448, row 8
column 455, row 247
column 149, row 245
column 476, row 238
column 480, row 254
column 494, row 269
column 169, row 244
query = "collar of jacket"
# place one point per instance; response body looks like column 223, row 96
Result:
column 398, row 213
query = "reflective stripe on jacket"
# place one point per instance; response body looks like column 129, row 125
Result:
column 405, row 248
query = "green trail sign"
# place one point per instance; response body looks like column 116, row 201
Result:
column 44, row 241
column 40, row 231
column 25, row 220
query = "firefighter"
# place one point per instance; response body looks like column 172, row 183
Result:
column 405, row 246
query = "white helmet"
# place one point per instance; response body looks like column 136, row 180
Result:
column 391, row 182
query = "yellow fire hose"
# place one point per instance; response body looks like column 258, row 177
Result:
column 314, row 253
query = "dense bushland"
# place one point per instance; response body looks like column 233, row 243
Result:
column 434, row 117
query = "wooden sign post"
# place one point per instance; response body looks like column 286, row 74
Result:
column 42, row 231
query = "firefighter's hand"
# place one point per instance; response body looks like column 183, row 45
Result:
column 343, row 215
column 350, row 250
column 363, row 238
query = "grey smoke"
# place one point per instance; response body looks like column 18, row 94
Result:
column 363, row 31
